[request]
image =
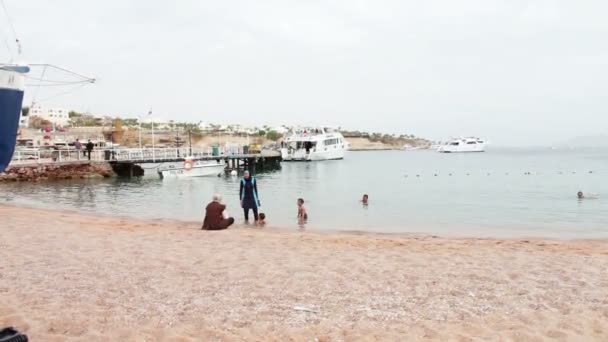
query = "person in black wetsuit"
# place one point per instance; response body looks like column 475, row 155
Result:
column 248, row 194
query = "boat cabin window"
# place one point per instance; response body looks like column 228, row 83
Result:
column 471, row 143
column 456, row 143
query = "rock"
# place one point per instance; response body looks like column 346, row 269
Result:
column 46, row 172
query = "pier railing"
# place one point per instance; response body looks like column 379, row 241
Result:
column 42, row 156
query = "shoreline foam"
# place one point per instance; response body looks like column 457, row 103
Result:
column 71, row 276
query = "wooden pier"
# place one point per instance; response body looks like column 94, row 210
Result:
column 133, row 167
column 252, row 162
column 132, row 162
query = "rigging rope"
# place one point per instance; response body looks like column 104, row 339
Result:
column 82, row 84
column 91, row 80
column 8, row 48
column 58, row 84
column 10, row 24
column 37, row 89
column 43, row 80
column 83, row 80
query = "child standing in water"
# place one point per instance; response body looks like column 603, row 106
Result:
column 262, row 220
column 302, row 213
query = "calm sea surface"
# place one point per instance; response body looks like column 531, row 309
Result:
column 483, row 194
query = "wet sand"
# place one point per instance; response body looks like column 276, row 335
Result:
column 74, row 277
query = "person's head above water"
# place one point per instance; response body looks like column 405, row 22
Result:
column 300, row 201
column 365, row 198
column 246, row 174
column 217, row 197
column 580, row 194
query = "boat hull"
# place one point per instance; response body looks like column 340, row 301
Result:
column 11, row 99
column 195, row 171
column 463, row 145
column 314, row 144
column 458, row 149
column 301, row 155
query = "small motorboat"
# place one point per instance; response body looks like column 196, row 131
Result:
column 192, row 168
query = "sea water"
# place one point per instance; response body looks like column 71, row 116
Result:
column 501, row 192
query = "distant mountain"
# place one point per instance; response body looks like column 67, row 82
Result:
column 600, row 140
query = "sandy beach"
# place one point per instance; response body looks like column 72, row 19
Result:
column 76, row 277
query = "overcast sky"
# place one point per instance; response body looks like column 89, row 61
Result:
column 515, row 72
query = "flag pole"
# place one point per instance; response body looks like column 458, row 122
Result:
column 153, row 151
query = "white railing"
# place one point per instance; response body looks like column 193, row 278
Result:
column 123, row 154
column 54, row 156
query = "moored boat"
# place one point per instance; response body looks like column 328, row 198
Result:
column 192, row 168
column 458, row 145
column 313, row 144
column 12, row 83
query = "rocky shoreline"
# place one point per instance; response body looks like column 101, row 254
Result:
column 42, row 172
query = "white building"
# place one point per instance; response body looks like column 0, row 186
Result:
column 281, row 130
column 57, row 116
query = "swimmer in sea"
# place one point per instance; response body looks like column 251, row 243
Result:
column 365, row 199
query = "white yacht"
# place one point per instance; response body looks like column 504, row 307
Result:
column 313, row 144
column 469, row 144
